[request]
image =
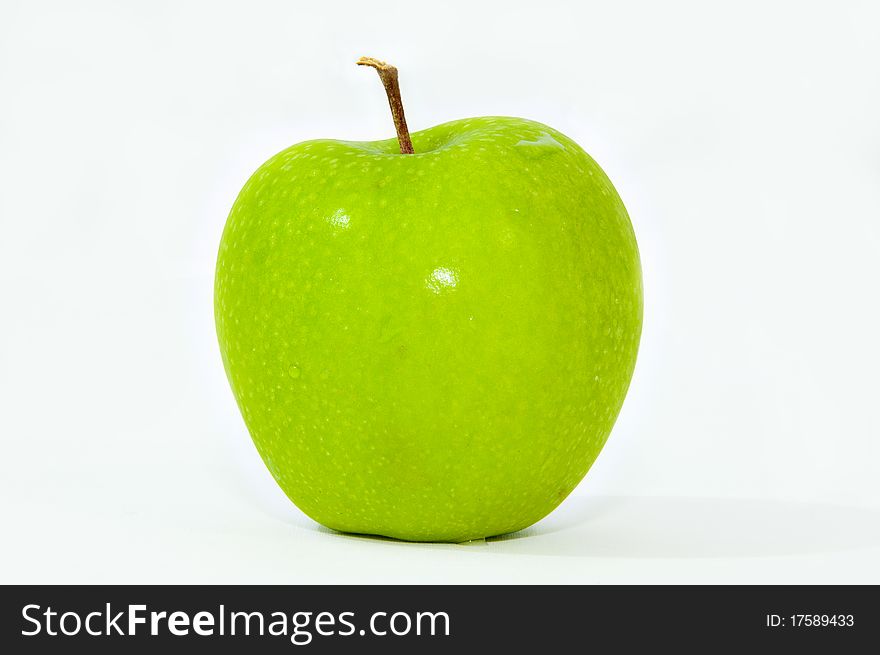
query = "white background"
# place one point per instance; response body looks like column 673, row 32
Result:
column 743, row 137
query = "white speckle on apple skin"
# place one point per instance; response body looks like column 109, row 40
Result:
column 339, row 219
column 442, row 279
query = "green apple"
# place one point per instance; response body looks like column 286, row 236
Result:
column 430, row 346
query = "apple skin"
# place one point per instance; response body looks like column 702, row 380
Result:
column 431, row 347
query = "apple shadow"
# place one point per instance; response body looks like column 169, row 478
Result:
column 381, row 540
column 674, row 527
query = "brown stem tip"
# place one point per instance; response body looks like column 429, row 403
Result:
column 388, row 75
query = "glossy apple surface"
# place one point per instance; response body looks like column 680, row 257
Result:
column 431, row 346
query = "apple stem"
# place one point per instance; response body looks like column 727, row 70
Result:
column 388, row 75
